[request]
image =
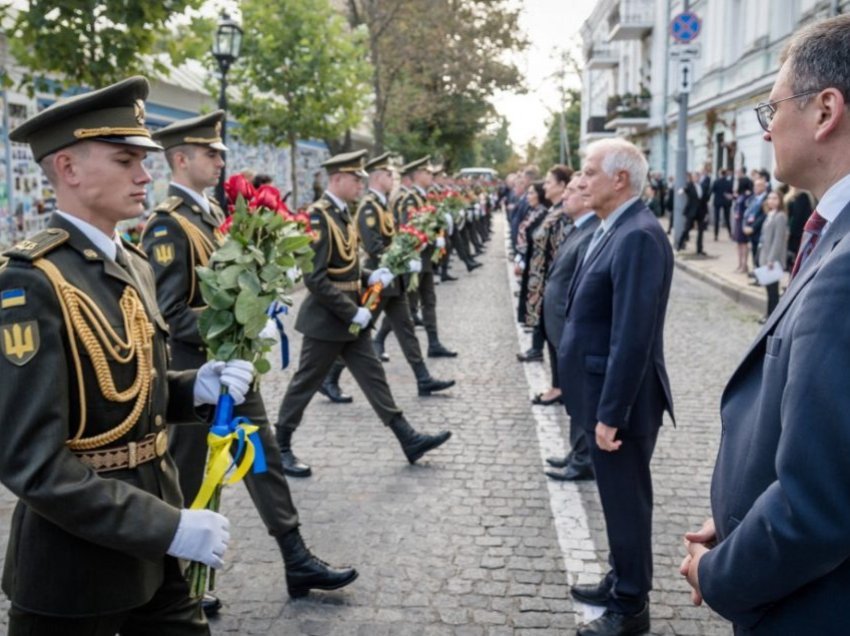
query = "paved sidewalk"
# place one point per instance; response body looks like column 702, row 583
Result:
column 474, row 539
column 718, row 267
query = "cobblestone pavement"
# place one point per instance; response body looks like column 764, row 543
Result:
column 465, row 542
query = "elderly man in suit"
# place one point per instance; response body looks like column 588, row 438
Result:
column 576, row 465
column 612, row 373
column 775, row 559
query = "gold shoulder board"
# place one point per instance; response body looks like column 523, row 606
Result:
column 169, row 205
column 37, row 246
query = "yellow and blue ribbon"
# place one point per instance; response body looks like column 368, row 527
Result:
column 275, row 311
column 225, row 431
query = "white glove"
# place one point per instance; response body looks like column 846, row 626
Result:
column 363, row 317
column 270, row 330
column 518, row 259
column 293, row 274
column 381, row 274
column 414, row 266
column 236, row 375
column 202, row 535
column 440, row 242
column 450, row 222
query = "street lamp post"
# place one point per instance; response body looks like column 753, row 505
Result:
column 226, row 48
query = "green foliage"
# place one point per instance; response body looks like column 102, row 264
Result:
column 549, row 153
column 244, row 276
column 303, row 73
column 87, row 42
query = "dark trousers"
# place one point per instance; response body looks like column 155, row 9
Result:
column 772, row 297
column 188, row 445
column 700, row 223
column 171, row 612
column 426, row 296
column 625, row 490
column 460, row 246
column 399, row 319
column 538, row 337
column 725, row 208
column 317, row 357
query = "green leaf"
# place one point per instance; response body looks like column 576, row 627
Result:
column 227, row 278
column 293, row 243
column 206, row 275
column 250, row 281
column 261, row 365
column 226, row 351
column 272, row 271
column 220, row 322
column 230, row 251
column 217, row 298
column 249, row 307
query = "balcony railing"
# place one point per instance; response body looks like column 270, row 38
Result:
column 628, row 106
column 630, row 19
column 601, row 57
column 595, row 125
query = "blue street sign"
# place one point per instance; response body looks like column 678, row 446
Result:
column 685, row 27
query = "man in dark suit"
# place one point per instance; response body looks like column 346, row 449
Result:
column 612, row 373
column 776, row 559
column 721, row 192
column 754, row 216
column 334, row 324
column 576, row 465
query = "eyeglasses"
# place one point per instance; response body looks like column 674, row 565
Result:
column 766, row 111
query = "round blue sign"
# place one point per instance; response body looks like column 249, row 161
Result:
column 685, row 27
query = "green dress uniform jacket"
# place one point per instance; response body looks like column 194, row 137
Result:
column 84, row 542
column 376, row 227
column 336, row 282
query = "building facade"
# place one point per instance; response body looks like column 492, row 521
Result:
column 630, row 82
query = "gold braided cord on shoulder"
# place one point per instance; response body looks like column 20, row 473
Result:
column 387, row 223
column 345, row 242
column 85, row 321
column 200, row 248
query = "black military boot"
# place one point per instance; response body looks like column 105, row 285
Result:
column 447, row 278
column 292, row 466
column 330, row 387
column 414, row 444
column 472, row 264
column 426, row 384
column 305, row 571
column 436, row 348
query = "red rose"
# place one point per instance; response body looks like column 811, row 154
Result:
column 267, row 196
column 237, row 185
column 224, row 228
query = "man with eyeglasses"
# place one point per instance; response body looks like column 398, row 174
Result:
column 775, row 558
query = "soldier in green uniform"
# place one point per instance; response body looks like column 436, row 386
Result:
column 180, row 235
column 328, row 315
column 376, row 228
column 407, row 200
column 100, row 523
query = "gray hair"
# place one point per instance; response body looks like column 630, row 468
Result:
column 819, row 57
column 621, row 155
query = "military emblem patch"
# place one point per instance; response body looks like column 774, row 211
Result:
column 139, row 111
column 163, row 253
column 370, row 220
column 159, row 232
column 20, row 342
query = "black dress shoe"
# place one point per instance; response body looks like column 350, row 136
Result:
column 413, row 443
column 559, row 462
column 305, row 571
column 293, row 466
column 447, row 278
column 472, row 265
column 379, row 351
column 617, row 624
column 532, row 355
column 437, row 350
column 210, row 604
column 571, row 472
column 539, row 401
column 432, row 385
column 334, row 393
column 592, row 594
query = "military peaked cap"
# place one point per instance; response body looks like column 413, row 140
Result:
column 381, row 162
column 204, row 130
column 413, row 166
column 353, row 162
column 115, row 114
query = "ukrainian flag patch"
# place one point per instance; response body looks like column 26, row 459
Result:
column 12, row 298
column 159, row 232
